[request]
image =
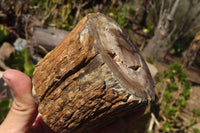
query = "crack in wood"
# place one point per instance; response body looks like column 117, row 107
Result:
column 95, row 76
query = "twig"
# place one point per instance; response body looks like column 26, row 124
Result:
column 10, row 30
column 47, row 16
column 152, row 121
column 156, row 121
column 26, row 19
column 162, row 94
column 162, row 8
column 43, row 49
column 80, row 5
column 171, row 15
column 151, row 124
column 173, row 30
column 154, row 9
column 18, row 13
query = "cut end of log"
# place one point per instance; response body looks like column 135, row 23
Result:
column 93, row 77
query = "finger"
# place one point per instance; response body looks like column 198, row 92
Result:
column 40, row 127
column 23, row 110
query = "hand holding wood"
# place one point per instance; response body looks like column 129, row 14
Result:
column 93, row 77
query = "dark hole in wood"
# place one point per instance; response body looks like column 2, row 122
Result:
column 135, row 68
column 112, row 55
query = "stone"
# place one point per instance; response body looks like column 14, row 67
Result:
column 6, row 50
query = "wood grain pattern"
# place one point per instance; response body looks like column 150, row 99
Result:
column 93, row 77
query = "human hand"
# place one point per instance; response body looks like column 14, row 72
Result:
column 23, row 116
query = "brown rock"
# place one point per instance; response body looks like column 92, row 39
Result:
column 6, row 50
column 93, row 77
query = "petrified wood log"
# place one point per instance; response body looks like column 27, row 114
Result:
column 48, row 37
column 93, row 77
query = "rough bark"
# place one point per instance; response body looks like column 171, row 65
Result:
column 93, row 77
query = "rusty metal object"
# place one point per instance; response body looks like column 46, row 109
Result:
column 93, row 77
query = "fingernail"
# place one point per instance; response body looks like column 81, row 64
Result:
column 7, row 79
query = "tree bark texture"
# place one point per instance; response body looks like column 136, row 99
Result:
column 93, row 77
column 158, row 44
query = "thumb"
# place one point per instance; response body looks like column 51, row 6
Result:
column 24, row 110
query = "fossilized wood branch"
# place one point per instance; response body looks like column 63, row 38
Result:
column 93, row 77
column 47, row 37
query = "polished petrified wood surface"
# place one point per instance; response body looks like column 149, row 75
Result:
column 93, row 77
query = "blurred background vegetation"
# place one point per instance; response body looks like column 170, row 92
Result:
column 140, row 19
